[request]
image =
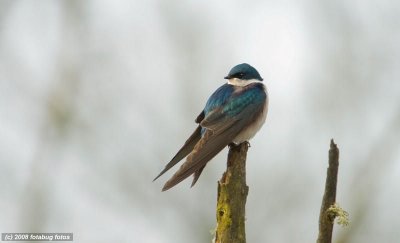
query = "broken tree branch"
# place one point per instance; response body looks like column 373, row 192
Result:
column 231, row 199
column 326, row 216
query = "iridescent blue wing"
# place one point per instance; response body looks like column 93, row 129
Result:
column 223, row 124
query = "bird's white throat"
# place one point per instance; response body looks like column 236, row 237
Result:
column 242, row 82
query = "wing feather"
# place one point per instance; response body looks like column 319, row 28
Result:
column 208, row 146
column 212, row 142
column 186, row 148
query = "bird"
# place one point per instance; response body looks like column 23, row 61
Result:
column 234, row 113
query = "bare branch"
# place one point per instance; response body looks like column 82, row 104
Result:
column 232, row 195
column 326, row 217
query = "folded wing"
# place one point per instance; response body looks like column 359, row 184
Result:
column 220, row 131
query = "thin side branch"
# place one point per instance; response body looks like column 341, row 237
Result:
column 232, row 195
column 326, row 217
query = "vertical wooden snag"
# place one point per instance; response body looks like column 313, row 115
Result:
column 231, row 199
column 326, row 218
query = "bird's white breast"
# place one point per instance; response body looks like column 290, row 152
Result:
column 251, row 130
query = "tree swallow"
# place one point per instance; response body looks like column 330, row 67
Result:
column 233, row 114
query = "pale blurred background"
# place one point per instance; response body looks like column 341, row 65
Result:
column 97, row 96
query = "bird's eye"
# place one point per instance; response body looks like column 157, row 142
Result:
column 241, row 75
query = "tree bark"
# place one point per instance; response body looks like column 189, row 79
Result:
column 231, row 199
column 326, row 217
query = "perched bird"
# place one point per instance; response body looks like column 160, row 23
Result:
column 233, row 114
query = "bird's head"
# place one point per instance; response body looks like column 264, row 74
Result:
column 242, row 74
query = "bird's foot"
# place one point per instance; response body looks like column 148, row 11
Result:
column 230, row 145
column 234, row 144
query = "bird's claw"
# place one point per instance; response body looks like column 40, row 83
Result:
column 230, row 145
column 234, row 144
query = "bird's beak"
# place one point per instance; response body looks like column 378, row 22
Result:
column 227, row 77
